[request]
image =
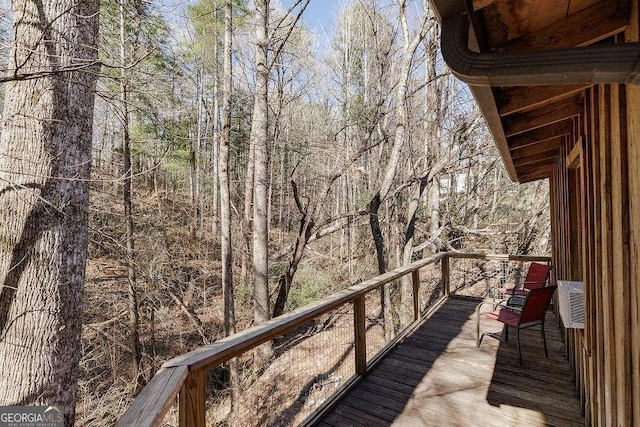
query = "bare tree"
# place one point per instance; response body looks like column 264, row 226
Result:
column 134, row 316
column 434, row 119
column 310, row 217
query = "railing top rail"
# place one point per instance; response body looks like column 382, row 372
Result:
column 499, row 257
column 153, row 402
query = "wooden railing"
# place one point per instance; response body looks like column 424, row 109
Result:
column 184, row 376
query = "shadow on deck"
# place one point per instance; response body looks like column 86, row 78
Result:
column 437, row 376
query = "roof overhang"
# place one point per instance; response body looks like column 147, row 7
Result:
column 531, row 124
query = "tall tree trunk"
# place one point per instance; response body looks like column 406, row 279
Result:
column 45, row 151
column 225, row 202
column 195, row 158
column 259, row 140
column 247, row 219
column 284, row 161
column 216, row 148
column 433, row 131
column 134, row 318
column 409, row 235
column 193, row 181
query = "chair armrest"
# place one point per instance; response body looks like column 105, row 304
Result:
column 504, row 291
column 495, row 306
column 515, row 303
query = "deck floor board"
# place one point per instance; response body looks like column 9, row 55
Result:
column 437, row 377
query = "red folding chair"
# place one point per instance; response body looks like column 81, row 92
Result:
column 531, row 314
column 537, row 277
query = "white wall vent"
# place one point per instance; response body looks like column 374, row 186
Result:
column 571, row 303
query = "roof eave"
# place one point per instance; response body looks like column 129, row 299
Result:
column 486, row 101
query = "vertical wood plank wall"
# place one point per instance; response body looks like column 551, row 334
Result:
column 593, row 217
column 631, row 119
column 596, row 234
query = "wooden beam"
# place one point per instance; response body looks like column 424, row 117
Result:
column 536, row 158
column 523, row 122
column 539, row 147
column 360, row 335
column 543, row 172
column 620, row 263
column 529, row 169
column 415, row 281
column 524, row 98
column 535, row 167
column 498, row 257
column 541, row 134
column 537, row 177
column 574, row 156
column 588, row 26
column 446, row 275
column 155, row 399
column 630, row 197
column 481, row 4
column 191, row 403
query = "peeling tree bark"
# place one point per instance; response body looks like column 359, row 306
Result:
column 45, row 161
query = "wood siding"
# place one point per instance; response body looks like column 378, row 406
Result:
column 595, row 205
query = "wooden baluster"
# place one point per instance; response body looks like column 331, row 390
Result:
column 360, row 335
column 415, row 279
column 445, row 276
column 192, row 400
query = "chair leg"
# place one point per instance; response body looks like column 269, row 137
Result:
column 478, row 337
column 506, row 333
column 544, row 342
column 518, row 339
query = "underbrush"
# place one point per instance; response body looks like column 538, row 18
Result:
column 180, row 308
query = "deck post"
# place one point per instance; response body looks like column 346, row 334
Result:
column 360, row 335
column 415, row 279
column 192, row 400
column 445, row 276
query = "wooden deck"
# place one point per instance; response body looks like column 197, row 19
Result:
column 437, row 377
